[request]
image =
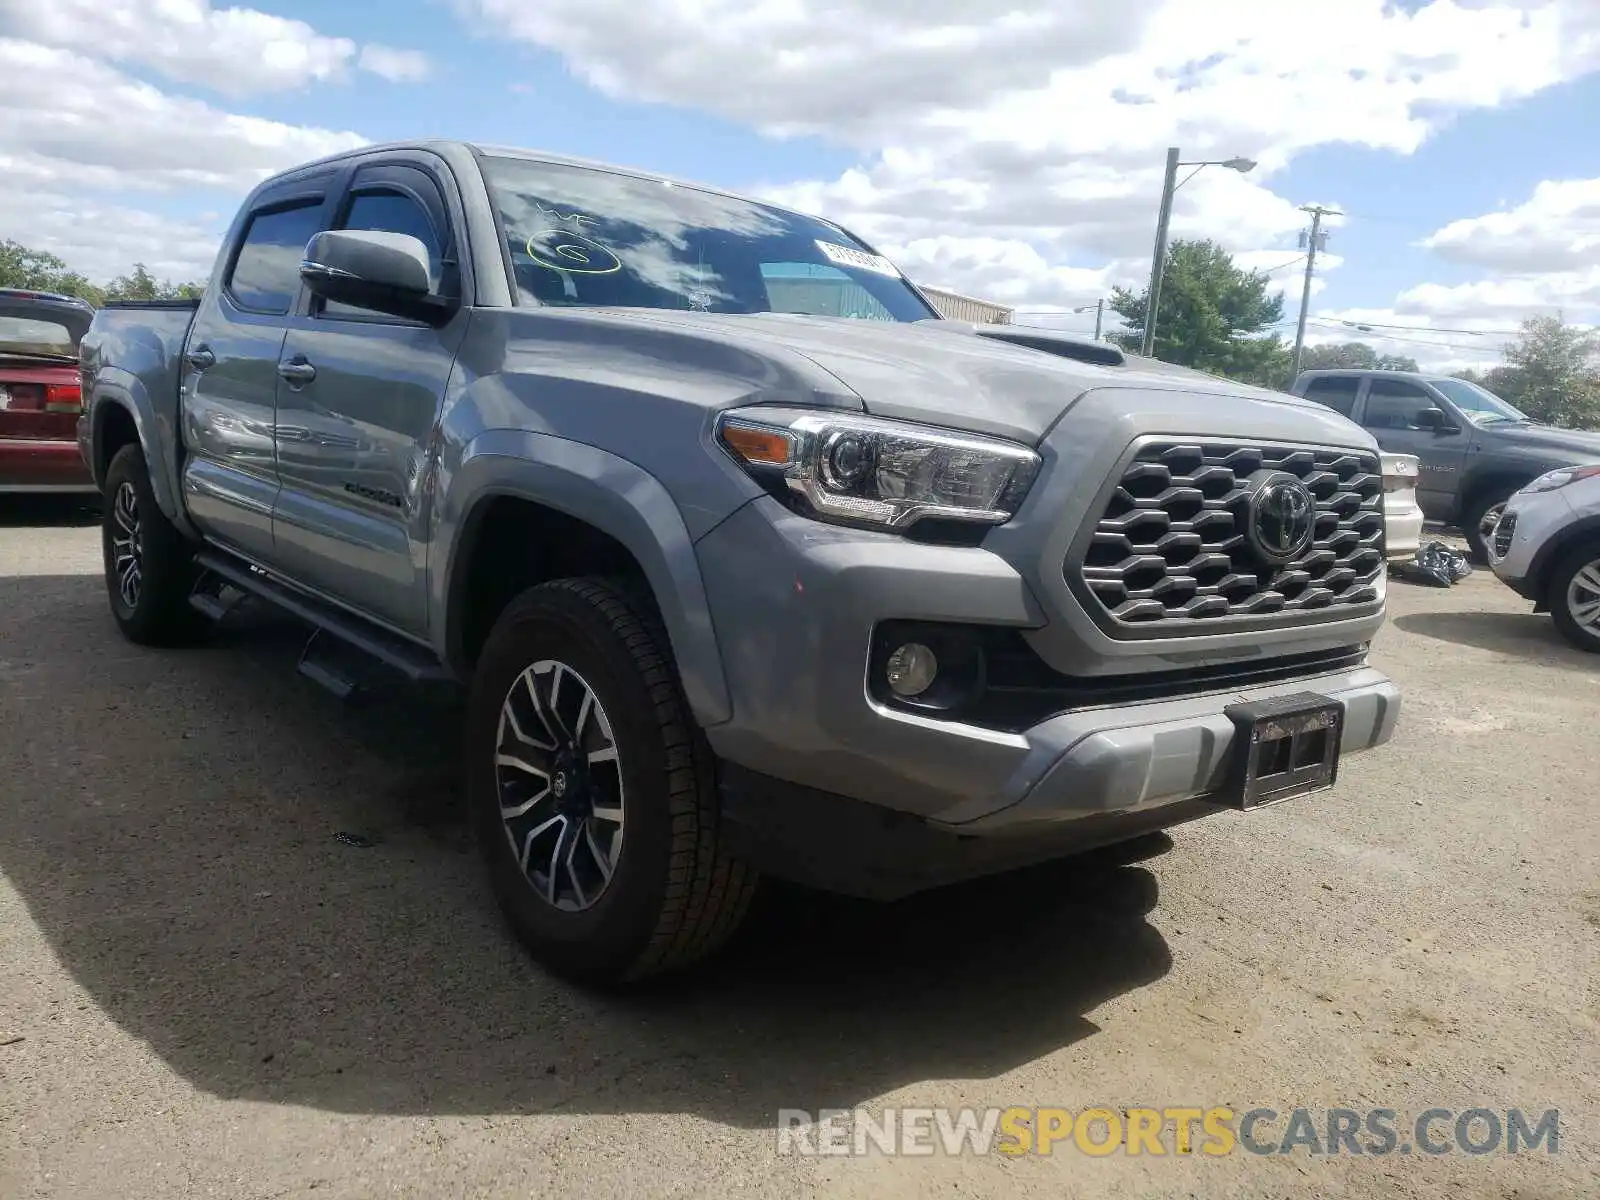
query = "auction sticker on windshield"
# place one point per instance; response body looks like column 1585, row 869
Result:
column 844, row 256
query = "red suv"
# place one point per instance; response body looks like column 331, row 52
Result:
column 39, row 397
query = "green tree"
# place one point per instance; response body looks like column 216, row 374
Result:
column 1339, row 355
column 1353, row 355
column 1396, row 362
column 141, row 285
column 40, row 271
column 1503, row 381
column 1213, row 316
column 1552, row 373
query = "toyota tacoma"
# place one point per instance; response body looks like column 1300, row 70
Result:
column 747, row 562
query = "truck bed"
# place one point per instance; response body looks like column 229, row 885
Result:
column 139, row 346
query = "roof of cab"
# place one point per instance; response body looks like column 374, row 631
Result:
column 1362, row 372
column 445, row 147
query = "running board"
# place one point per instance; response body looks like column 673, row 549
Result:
column 411, row 660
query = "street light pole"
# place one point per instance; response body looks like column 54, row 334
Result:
column 1159, row 261
column 1099, row 316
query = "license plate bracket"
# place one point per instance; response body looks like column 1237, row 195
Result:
column 1284, row 747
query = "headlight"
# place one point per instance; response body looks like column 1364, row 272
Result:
column 886, row 474
column 1551, row 480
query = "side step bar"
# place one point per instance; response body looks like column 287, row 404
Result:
column 412, row 661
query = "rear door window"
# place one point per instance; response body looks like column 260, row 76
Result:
column 1338, row 392
column 266, row 272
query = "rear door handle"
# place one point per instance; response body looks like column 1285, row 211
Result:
column 297, row 371
column 201, row 357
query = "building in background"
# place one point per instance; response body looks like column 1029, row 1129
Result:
column 953, row 306
column 824, row 291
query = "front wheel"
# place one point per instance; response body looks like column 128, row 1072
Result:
column 592, row 794
column 1480, row 519
column 1575, row 597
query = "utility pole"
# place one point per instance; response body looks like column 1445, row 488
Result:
column 1159, row 262
column 1099, row 316
column 1312, row 244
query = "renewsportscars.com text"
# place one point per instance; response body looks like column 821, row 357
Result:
column 1212, row 1132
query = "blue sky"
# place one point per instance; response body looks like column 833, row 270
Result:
column 1003, row 167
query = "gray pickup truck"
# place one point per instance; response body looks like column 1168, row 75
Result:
column 745, row 560
column 1475, row 450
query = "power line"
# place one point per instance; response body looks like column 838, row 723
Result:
column 1466, row 347
column 1423, row 328
column 1283, row 266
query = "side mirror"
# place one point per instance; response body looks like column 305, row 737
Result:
column 1435, row 419
column 384, row 272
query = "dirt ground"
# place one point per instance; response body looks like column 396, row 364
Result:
column 205, row 992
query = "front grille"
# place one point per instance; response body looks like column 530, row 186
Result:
column 1504, row 531
column 1170, row 550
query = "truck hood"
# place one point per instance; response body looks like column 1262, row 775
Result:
column 1581, row 444
column 943, row 373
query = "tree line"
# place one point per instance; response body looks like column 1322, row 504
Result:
column 40, row 271
column 1217, row 317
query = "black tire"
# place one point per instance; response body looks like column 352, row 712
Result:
column 1583, row 560
column 671, row 896
column 1473, row 520
column 158, row 613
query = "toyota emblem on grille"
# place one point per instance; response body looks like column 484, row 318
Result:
column 1283, row 518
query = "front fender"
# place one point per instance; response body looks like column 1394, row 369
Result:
column 115, row 387
column 616, row 497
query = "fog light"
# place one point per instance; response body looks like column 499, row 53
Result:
column 911, row 669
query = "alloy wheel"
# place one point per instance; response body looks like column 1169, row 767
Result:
column 127, row 545
column 560, row 785
column 1583, row 598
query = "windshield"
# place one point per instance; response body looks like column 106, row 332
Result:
column 26, row 335
column 1477, row 405
column 581, row 237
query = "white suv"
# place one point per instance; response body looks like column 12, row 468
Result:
column 1546, row 546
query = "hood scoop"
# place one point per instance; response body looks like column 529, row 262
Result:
column 1062, row 345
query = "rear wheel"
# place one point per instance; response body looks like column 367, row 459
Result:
column 592, row 794
column 149, row 565
column 1575, row 597
column 1482, row 515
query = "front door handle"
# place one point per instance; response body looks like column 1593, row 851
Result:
column 201, row 357
column 298, row 371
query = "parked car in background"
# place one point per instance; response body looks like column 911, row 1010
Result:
column 1546, row 546
column 1402, row 515
column 39, row 397
column 1475, row 449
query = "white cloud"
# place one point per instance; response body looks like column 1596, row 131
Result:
column 397, row 66
column 235, row 51
column 84, row 124
column 1033, row 133
column 104, row 240
column 83, row 138
column 1555, row 229
column 1540, row 257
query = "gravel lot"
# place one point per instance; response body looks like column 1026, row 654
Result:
column 204, row 992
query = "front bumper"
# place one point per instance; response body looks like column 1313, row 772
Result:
column 1537, row 516
column 1402, row 532
column 794, row 604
